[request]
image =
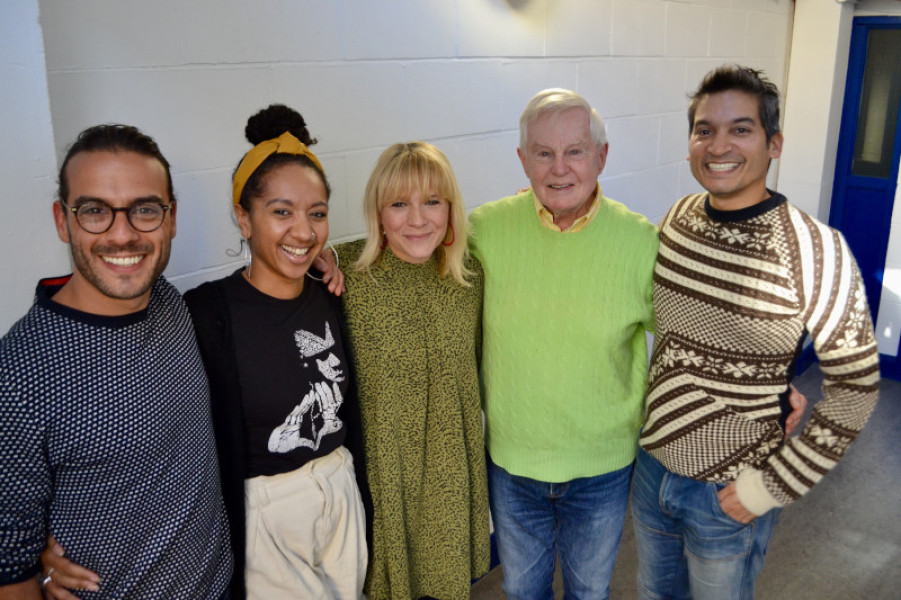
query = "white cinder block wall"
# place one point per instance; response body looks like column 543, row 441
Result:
column 367, row 74
column 28, row 244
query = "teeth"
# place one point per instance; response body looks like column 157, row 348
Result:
column 295, row 251
column 559, row 187
column 722, row 166
column 123, row 261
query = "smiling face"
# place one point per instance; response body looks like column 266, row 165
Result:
column 414, row 225
column 563, row 162
column 114, row 270
column 728, row 150
column 286, row 227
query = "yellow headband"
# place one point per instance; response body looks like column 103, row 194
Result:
column 283, row 144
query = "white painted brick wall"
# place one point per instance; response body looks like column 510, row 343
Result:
column 661, row 87
column 521, row 79
column 687, row 30
column 28, row 243
column 639, row 27
column 399, row 29
column 611, row 85
column 366, row 74
column 633, row 144
column 491, row 28
column 582, row 29
column 728, row 33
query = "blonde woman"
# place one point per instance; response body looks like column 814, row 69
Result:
column 413, row 311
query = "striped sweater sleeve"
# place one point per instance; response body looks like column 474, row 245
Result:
column 838, row 320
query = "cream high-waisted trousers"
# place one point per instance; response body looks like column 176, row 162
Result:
column 305, row 532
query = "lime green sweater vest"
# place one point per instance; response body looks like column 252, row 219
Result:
column 564, row 354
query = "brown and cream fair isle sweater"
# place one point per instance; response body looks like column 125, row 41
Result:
column 734, row 294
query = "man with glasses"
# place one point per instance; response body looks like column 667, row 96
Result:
column 104, row 405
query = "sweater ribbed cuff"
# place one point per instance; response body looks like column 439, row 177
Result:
column 752, row 493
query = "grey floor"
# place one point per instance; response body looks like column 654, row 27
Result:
column 841, row 541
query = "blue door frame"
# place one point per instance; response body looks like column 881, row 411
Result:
column 862, row 205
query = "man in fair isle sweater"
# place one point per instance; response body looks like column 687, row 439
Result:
column 741, row 276
column 566, row 305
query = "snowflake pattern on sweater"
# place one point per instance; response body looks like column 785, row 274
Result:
column 734, row 294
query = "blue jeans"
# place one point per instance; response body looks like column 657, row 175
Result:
column 688, row 548
column 581, row 519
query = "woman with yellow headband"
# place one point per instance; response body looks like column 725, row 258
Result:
column 413, row 305
column 282, row 391
column 282, row 398
column 283, row 402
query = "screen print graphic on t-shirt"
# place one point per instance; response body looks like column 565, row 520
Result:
column 317, row 414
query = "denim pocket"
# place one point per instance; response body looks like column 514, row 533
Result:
column 716, row 507
column 713, row 536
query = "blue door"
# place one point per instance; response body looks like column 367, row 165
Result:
column 866, row 170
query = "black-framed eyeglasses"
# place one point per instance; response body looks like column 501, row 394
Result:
column 96, row 216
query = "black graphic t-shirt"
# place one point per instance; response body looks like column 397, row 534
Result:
column 293, row 374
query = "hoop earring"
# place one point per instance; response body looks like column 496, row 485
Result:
column 384, row 243
column 453, row 236
column 337, row 262
column 243, row 252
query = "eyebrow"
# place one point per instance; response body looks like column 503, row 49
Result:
column 743, row 120
column 85, row 199
column 291, row 203
column 569, row 145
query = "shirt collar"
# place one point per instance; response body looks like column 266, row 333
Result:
column 547, row 219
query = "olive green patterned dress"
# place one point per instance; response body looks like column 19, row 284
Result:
column 414, row 339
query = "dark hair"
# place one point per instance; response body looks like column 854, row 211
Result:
column 743, row 79
column 112, row 137
column 268, row 124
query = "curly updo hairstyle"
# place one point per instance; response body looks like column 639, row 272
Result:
column 268, row 124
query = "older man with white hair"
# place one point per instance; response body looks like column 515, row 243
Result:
column 567, row 303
